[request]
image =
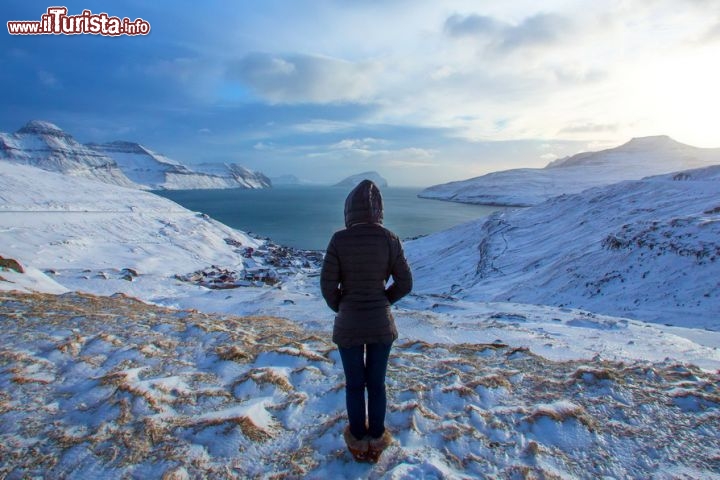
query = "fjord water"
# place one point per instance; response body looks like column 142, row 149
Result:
column 306, row 216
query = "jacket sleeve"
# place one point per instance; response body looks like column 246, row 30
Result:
column 401, row 274
column 330, row 277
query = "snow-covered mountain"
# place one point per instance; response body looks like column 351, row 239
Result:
column 237, row 175
column 353, row 180
column 158, row 172
column 638, row 158
column 54, row 221
column 46, row 146
column 646, row 249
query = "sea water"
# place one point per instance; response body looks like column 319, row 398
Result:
column 305, row 217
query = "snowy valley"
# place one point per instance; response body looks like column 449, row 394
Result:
column 525, row 348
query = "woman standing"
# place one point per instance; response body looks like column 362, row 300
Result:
column 358, row 264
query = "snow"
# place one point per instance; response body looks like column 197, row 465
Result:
column 54, row 221
column 140, row 164
column 31, row 280
column 158, row 172
column 193, row 382
column 240, row 176
column 115, row 387
column 645, row 249
column 638, row 158
column 45, row 145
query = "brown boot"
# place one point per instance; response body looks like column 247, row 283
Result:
column 378, row 445
column 358, row 448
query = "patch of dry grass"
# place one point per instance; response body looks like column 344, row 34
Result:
column 160, row 388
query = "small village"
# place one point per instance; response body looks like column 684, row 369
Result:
column 268, row 265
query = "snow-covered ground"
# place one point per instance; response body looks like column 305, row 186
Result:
column 638, row 158
column 54, row 221
column 646, row 249
column 110, row 387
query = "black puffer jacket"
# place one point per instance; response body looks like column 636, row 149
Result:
column 358, row 263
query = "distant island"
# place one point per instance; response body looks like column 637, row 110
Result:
column 353, row 180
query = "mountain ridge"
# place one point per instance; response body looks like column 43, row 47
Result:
column 44, row 145
column 638, row 158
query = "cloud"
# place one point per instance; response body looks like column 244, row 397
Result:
column 322, row 126
column 357, row 143
column 541, row 29
column 374, row 150
column 300, row 78
column 472, row 25
column 47, row 79
column 590, row 128
column 712, row 34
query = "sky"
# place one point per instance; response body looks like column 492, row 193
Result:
column 423, row 92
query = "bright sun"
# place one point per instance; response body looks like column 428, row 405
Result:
column 680, row 95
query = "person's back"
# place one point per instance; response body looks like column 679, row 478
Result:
column 358, row 264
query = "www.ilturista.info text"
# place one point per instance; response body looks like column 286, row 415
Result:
column 57, row 22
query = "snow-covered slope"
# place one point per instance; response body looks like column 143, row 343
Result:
column 647, row 249
column 54, row 221
column 46, row 146
column 158, row 172
column 636, row 159
column 236, row 175
column 108, row 387
column 353, row 180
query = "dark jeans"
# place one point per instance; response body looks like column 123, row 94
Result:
column 365, row 366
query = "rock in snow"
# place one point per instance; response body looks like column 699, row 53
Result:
column 638, row 158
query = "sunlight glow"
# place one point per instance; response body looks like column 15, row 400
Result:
column 679, row 96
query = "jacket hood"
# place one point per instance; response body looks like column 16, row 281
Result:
column 364, row 205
